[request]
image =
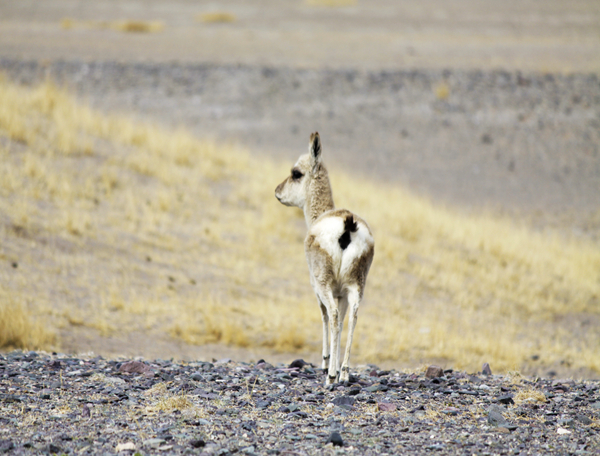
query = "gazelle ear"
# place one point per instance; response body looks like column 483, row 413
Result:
column 314, row 150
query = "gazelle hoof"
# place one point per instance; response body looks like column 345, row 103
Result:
column 345, row 375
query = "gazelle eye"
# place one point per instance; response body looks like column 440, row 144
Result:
column 296, row 174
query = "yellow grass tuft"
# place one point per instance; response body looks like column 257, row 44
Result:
column 442, row 91
column 19, row 329
column 127, row 26
column 165, row 401
column 216, row 17
column 138, row 26
column 529, row 395
column 126, row 226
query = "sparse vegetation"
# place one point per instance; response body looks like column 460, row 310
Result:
column 18, row 329
column 216, row 17
column 130, row 26
column 121, row 226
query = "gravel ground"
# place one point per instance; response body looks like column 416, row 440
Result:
column 61, row 404
column 527, row 144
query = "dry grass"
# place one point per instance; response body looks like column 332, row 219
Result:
column 216, row 17
column 18, row 329
column 119, row 226
column 529, row 395
column 128, row 26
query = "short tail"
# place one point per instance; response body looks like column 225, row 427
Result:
column 350, row 226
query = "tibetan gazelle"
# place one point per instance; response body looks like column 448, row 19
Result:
column 339, row 249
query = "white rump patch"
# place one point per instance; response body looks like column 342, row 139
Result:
column 328, row 231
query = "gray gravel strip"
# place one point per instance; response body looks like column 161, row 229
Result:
column 55, row 403
column 509, row 140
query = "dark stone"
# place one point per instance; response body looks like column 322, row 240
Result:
column 434, row 371
column 299, row 363
column 508, row 399
column 486, row 369
column 486, row 138
column 55, row 364
column 566, row 422
column 6, row 446
column 52, row 449
column 496, row 419
column 343, row 400
column 197, row 443
column 263, row 404
column 583, row 419
column 376, row 388
column 354, row 391
column 336, row 439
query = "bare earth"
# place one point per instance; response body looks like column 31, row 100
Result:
column 474, row 104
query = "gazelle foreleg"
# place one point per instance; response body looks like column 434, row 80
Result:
column 353, row 302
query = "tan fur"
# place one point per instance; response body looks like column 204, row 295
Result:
column 338, row 275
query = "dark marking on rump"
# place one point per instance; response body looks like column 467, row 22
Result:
column 349, row 227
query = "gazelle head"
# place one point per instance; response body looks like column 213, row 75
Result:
column 306, row 174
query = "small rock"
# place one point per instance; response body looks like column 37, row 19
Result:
column 154, row 443
column 451, row 411
column 134, row 367
column 128, row 446
column 263, row 404
column 508, row 399
column 434, row 372
column 566, row 422
column 376, row 388
column 486, row 369
column 196, row 376
column 496, row 419
column 197, row 443
column 53, row 449
column 299, row 363
column 584, row 419
column 562, row 431
column 6, row 446
column 336, row 439
column 386, row 407
column 344, row 400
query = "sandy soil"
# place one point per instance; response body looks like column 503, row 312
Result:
column 514, row 133
column 553, row 35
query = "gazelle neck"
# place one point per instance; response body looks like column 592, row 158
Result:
column 319, row 199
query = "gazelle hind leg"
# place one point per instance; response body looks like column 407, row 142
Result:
column 343, row 307
column 326, row 297
column 353, row 298
column 326, row 351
